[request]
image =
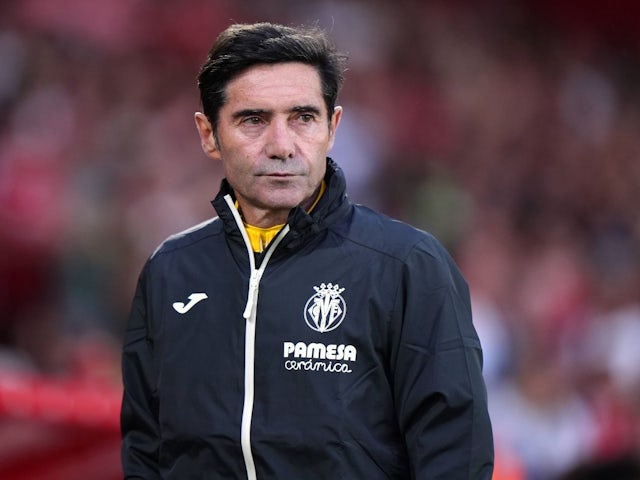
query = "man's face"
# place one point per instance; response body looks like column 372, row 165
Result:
column 273, row 135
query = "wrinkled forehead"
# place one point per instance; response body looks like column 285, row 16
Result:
column 280, row 86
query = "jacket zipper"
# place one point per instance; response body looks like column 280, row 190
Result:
column 250, row 316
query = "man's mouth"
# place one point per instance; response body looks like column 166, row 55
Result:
column 279, row 174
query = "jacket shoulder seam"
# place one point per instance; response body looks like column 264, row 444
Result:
column 401, row 258
column 185, row 239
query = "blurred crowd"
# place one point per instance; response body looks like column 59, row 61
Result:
column 510, row 130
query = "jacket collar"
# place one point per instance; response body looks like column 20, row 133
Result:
column 303, row 226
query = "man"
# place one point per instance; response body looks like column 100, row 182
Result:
column 296, row 335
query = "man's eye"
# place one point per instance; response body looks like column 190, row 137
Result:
column 252, row 121
column 306, row 117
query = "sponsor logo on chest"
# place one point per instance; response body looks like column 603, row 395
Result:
column 324, row 312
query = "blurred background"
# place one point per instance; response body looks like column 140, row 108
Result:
column 509, row 129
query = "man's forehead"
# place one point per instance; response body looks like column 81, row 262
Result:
column 276, row 86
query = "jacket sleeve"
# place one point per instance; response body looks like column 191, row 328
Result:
column 437, row 372
column 139, row 413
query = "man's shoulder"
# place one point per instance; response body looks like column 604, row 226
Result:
column 191, row 237
column 387, row 235
column 405, row 244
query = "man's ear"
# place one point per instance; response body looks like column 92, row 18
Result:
column 207, row 136
column 333, row 125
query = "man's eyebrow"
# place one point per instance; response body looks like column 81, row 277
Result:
column 306, row 108
column 248, row 112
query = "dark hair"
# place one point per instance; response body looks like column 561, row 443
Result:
column 241, row 46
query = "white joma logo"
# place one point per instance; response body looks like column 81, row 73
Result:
column 193, row 299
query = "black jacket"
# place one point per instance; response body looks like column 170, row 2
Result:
column 345, row 351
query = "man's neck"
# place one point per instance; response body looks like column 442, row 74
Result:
column 267, row 218
column 263, row 218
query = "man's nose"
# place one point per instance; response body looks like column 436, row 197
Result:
column 280, row 141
